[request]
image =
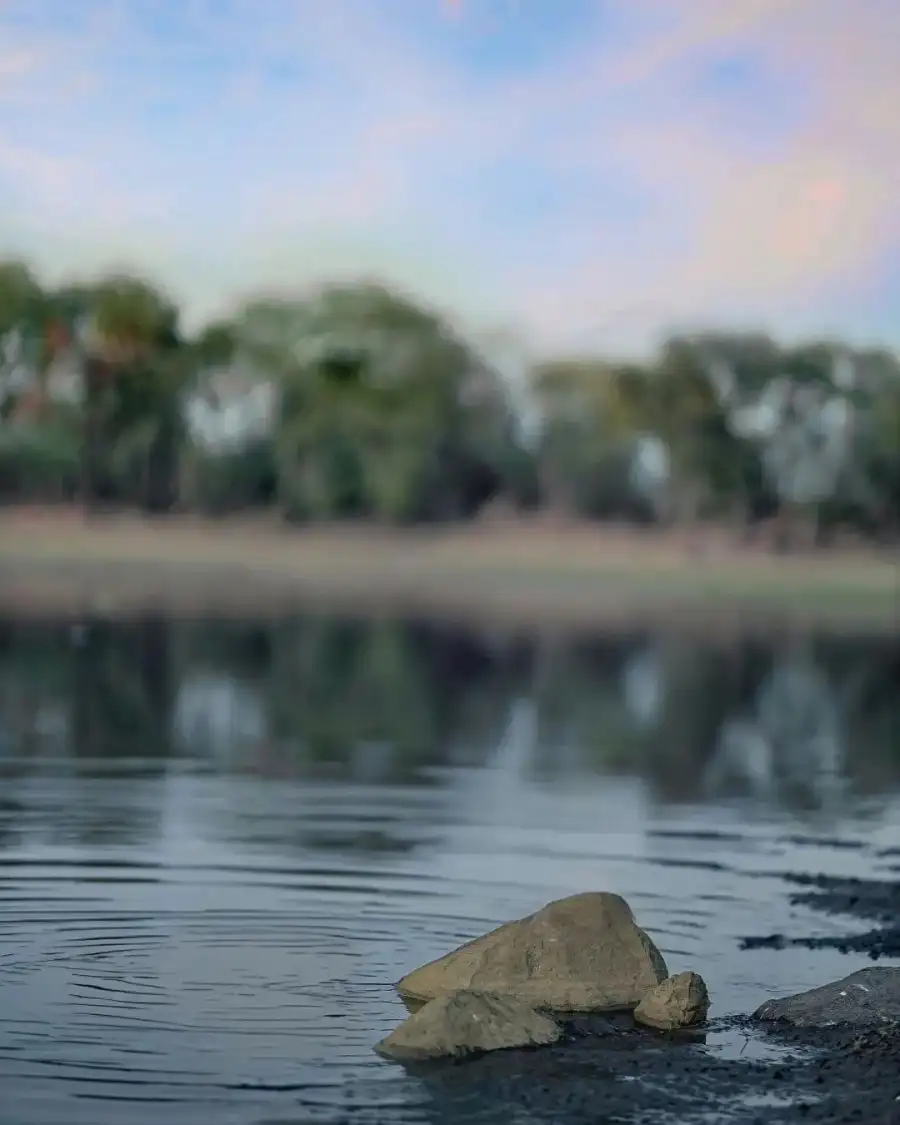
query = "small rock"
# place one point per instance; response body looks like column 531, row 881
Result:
column 465, row 1023
column 865, row 998
column 585, row 953
column 679, row 1001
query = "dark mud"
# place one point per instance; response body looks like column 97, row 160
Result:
column 616, row 1074
column 838, row 1074
column 868, row 900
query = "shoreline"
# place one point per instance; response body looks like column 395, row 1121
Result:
column 522, row 575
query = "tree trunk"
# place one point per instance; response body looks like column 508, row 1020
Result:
column 161, row 472
column 91, row 443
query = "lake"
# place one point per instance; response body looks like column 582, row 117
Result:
column 221, row 841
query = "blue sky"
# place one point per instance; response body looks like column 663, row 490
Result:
column 584, row 173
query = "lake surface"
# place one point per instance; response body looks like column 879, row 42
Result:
column 221, row 842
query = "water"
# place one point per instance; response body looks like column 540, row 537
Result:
column 221, row 842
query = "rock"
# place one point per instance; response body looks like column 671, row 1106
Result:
column 868, row 997
column 465, row 1023
column 580, row 954
column 679, row 1001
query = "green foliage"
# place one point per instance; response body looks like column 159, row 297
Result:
column 130, row 317
column 592, row 411
column 39, row 462
column 22, row 300
column 352, row 686
column 215, row 346
column 378, row 395
column 386, row 412
column 218, row 483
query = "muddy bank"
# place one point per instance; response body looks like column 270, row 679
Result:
column 572, row 577
column 868, row 900
column 610, row 1072
column 838, row 1074
column 735, row 1070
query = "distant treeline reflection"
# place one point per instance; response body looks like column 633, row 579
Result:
column 796, row 722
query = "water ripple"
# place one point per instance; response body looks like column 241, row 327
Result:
column 239, row 969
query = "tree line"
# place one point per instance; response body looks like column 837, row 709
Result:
column 354, row 401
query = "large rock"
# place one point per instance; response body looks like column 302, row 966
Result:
column 870, row 996
column 465, row 1023
column 580, row 954
column 679, row 1001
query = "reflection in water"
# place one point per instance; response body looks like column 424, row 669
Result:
column 807, row 726
column 643, row 688
column 791, row 740
column 218, row 715
column 221, row 841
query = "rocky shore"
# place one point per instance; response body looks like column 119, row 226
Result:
column 570, row 1015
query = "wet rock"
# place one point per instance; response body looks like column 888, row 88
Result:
column 467, row 1023
column 865, row 998
column 579, row 954
column 679, row 1001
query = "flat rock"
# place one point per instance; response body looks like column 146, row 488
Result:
column 865, row 998
column 585, row 953
column 467, row 1023
column 679, row 1001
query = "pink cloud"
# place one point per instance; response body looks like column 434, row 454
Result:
column 753, row 236
column 393, row 143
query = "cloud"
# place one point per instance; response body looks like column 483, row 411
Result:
column 628, row 165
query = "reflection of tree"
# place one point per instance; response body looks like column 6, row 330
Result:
column 379, row 700
column 122, row 690
column 824, row 719
column 643, row 687
column 218, row 715
column 865, row 676
column 582, row 720
column 481, row 684
column 73, row 694
column 347, row 692
column 35, row 690
column 701, row 684
column 790, row 739
column 374, row 701
column 704, row 718
column 383, row 702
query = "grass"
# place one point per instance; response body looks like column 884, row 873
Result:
column 521, row 575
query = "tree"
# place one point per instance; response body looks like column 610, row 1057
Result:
column 356, row 401
column 127, row 333
column 22, row 315
column 21, row 297
column 870, row 487
column 600, row 421
column 385, row 410
column 804, row 422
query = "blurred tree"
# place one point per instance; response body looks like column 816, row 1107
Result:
column 133, row 365
column 385, row 410
column 22, row 299
column 355, row 401
column 22, row 315
column 586, row 434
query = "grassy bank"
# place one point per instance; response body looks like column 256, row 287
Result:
column 528, row 575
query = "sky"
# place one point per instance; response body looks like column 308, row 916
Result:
column 574, row 174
